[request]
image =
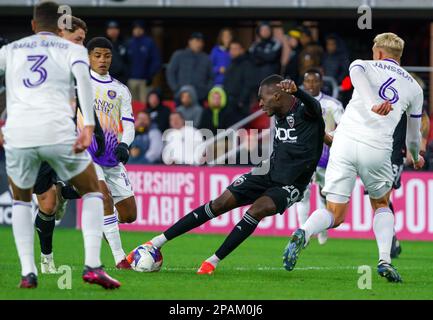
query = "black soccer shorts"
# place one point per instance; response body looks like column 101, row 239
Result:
column 248, row 188
column 47, row 177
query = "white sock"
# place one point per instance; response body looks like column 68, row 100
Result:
column 302, row 209
column 112, row 234
column 159, row 241
column 91, row 223
column 23, row 230
column 320, row 220
column 383, row 227
column 213, row 260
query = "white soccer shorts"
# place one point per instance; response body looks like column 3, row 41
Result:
column 22, row 164
column 349, row 158
column 117, row 181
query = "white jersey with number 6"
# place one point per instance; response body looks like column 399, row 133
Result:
column 386, row 81
column 39, row 82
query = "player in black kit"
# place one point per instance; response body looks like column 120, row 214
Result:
column 278, row 183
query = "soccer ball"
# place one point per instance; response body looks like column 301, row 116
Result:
column 146, row 258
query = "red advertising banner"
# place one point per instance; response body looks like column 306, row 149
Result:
column 166, row 193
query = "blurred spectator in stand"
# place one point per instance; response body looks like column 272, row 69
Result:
column 311, row 54
column 119, row 64
column 191, row 66
column 144, row 59
column 189, row 106
column 279, row 35
column 183, row 144
column 292, row 68
column 335, row 60
column 239, row 83
column 265, row 53
column 217, row 116
column 159, row 113
column 220, row 56
column 147, row 145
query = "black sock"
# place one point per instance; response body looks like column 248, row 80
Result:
column 45, row 226
column 69, row 192
column 240, row 232
column 192, row 220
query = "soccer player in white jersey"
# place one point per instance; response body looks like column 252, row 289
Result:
column 39, row 74
column 332, row 110
column 362, row 145
column 112, row 103
column 52, row 194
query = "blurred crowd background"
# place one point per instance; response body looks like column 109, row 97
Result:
column 211, row 78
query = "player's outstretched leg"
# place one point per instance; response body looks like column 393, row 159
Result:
column 320, row 220
column 92, row 223
column 261, row 208
column 196, row 218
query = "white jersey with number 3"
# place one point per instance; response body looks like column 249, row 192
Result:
column 387, row 81
column 39, row 82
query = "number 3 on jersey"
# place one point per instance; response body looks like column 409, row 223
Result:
column 36, row 67
column 392, row 96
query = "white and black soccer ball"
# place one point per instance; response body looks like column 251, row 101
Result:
column 146, row 258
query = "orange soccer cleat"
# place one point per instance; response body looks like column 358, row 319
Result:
column 206, row 268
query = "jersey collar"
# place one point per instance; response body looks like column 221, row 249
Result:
column 392, row 60
column 101, row 79
column 46, row 33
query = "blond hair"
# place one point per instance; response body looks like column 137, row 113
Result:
column 391, row 43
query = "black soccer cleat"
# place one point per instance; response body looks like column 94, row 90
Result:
column 388, row 271
column 29, row 281
column 395, row 248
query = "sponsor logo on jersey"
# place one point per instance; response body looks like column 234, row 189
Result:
column 286, row 135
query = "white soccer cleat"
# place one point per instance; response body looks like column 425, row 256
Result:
column 322, row 237
column 61, row 202
column 47, row 264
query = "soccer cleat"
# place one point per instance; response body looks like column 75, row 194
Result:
column 99, row 276
column 293, row 248
column 395, row 248
column 29, row 281
column 124, row 264
column 47, row 264
column 61, row 202
column 322, row 237
column 388, row 271
column 206, row 268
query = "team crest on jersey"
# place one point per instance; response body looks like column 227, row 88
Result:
column 111, row 94
column 291, row 121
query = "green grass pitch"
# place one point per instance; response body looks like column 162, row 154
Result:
column 253, row 271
